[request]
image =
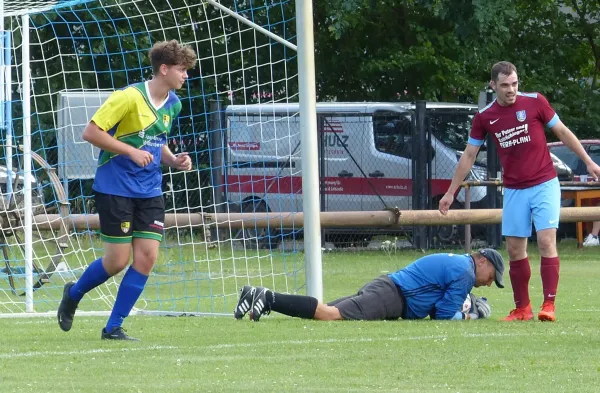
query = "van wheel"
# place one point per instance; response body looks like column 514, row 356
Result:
column 257, row 238
column 449, row 234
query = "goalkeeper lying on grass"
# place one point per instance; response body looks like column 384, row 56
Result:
column 435, row 285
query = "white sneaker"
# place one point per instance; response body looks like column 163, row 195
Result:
column 591, row 241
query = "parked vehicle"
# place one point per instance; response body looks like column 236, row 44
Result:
column 578, row 168
column 366, row 155
column 570, row 159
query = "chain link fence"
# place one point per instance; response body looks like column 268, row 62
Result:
column 404, row 157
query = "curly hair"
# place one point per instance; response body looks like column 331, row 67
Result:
column 171, row 53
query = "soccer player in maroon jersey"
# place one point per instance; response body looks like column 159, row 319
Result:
column 516, row 122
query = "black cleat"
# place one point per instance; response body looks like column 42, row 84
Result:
column 260, row 306
column 245, row 302
column 117, row 333
column 66, row 309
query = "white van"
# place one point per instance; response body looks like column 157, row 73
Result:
column 366, row 157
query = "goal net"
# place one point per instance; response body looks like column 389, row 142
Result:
column 78, row 53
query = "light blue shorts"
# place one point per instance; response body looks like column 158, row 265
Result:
column 541, row 202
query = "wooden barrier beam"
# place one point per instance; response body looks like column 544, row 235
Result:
column 355, row 219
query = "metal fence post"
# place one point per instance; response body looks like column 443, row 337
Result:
column 420, row 182
column 216, row 146
column 494, row 232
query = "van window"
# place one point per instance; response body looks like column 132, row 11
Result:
column 451, row 126
column 392, row 134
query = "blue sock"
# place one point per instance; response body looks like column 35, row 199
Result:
column 129, row 292
column 93, row 276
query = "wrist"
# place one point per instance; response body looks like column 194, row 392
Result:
column 130, row 150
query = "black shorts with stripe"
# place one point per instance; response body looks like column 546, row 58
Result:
column 380, row 299
column 123, row 218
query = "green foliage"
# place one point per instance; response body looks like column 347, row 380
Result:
column 442, row 50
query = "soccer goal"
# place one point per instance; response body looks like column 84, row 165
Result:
column 59, row 60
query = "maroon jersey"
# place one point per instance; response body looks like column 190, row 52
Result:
column 518, row 131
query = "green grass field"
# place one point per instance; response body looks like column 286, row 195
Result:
column 281, row 354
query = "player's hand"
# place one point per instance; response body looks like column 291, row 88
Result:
column 446, row 202
column 182, row 162
column 594, row 170
column 473, row 308
column 483, row 308
column 141, row 157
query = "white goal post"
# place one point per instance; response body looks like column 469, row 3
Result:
column 60, row 59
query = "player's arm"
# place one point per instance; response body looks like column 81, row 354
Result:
column 465, row 163
column 181, row 161
column 110, row 113
column 567, row 137
column 450, row 305
column 101, row 139
column 464, row 166
column 562, row 132
column 167, row 158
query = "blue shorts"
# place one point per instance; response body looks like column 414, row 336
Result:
column 541, row 202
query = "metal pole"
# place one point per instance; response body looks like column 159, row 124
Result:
column 28, row 213
column 323, row 201
column 308, row 140
column 8, row 110
column 494, row 232
column 2, row 85
column 215, row 129
column 420, row 172
column 467, row 226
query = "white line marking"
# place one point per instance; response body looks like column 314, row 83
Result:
column 270, row 343
column 82, row 352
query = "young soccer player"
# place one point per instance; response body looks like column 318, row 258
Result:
column 516, row 123
column 131, row 130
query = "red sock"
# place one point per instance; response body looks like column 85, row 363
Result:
column 549, row 270
column 520, row 273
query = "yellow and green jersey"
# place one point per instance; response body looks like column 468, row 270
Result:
column 130, row 116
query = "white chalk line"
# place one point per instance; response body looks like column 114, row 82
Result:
column 34, row 354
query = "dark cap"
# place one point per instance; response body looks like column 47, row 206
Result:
column 495, row 259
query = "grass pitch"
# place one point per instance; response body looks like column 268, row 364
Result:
column 281, row 354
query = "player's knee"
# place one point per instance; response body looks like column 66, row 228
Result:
column 547, row 242
column 116, row 257
column 144, row 259
column 115, row 263
column 516, row 249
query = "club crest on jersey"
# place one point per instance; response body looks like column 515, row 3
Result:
column 166, row 119
column 521, row 115
column 125, row 226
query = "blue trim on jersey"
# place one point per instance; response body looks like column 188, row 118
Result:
column 487, row 107
column 172, row 99
column 457, row 316
column 530, row 95
column 475, row 142
column 553, row 121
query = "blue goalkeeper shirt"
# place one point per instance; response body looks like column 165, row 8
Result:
column 436, row 285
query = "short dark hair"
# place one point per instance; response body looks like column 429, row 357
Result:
column 171, row 53
column 502, row 67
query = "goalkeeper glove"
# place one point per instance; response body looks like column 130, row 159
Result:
column 483, row 308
